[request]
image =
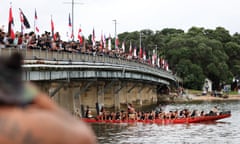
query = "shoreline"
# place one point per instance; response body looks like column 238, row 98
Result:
column 213, row 98
column 193, row 98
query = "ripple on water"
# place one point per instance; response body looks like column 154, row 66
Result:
column 226, row 131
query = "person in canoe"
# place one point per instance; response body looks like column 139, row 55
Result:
column 131, row 112
column 88, row 113
column 214, row 111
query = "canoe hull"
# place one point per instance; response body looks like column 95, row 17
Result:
column 200, row 119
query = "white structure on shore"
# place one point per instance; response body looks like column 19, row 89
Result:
column 207, row 86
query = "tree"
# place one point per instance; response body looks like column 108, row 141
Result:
column 193, row 55
column 192, row 74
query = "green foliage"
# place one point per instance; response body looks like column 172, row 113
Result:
column 192, row 74
column 193, row 55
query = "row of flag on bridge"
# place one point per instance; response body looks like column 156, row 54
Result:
column 132, row 53
column 26, row 25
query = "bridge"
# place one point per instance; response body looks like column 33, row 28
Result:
column 77, row 80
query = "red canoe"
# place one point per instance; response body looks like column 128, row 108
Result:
column 201, row 119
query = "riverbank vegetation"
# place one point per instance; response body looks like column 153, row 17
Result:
column 194, row 55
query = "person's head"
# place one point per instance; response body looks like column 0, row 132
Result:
column 13, row 90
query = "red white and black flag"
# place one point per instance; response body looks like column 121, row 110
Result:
column 70, row 27
column 52, row 29
column 80, row 36
column 130, row 49
column 141, row 53
column 24, row 22
column 36, row 22
column 109, row 43
column 11, row 24
column 93, row 38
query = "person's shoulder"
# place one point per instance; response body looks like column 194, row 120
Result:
column 16, row 127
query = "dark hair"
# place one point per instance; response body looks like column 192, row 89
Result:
column 11, row 84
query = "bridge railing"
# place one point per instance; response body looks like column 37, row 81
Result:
column 39, row 54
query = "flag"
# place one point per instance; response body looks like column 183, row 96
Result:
column 130, row 48
column 144, row 55
column 166, row 66
column 162, row 62
column 116, row 42
column 80, row 36
column 70, row 26
column 101, row 42
column 158, row 62
column 35, row 22
column 123, row 46
column 135, row 52
column 109, row 43
column 153, row 60
column 52, row 29
column 11, row 24
column 24, row 22
column 140, row 53
column 93, row 38
column 104, row 41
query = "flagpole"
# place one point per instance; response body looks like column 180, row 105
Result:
column 115, row 22
column 140, row 43
column 73, row 3
column 156, row 50
column 140, row 40
column 72, row 20
column 34, row 22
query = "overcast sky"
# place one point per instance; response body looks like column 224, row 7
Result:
column 131, row 15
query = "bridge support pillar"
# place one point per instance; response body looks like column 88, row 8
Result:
column 100, row 96
column 118, row 87
column 64, row 97
column 140, row 95
column 130, row 95
column 77, row 103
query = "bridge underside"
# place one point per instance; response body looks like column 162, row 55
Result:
column 76, row 86
column 91, row 74
column 113, row 94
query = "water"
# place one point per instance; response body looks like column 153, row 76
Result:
column 225, row 131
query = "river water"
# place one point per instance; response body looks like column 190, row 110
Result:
column 225, row 131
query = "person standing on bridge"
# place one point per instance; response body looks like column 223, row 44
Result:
column 27, row 115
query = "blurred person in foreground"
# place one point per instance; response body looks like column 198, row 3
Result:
column 28, row 116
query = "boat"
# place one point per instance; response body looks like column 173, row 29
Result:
column 199, row 119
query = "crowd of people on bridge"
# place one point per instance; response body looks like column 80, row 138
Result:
column 46, row 41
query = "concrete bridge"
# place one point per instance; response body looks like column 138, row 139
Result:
column 77, row 80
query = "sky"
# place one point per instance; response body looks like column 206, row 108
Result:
column 130, row 15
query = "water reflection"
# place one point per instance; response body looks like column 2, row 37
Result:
column 223, row 131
